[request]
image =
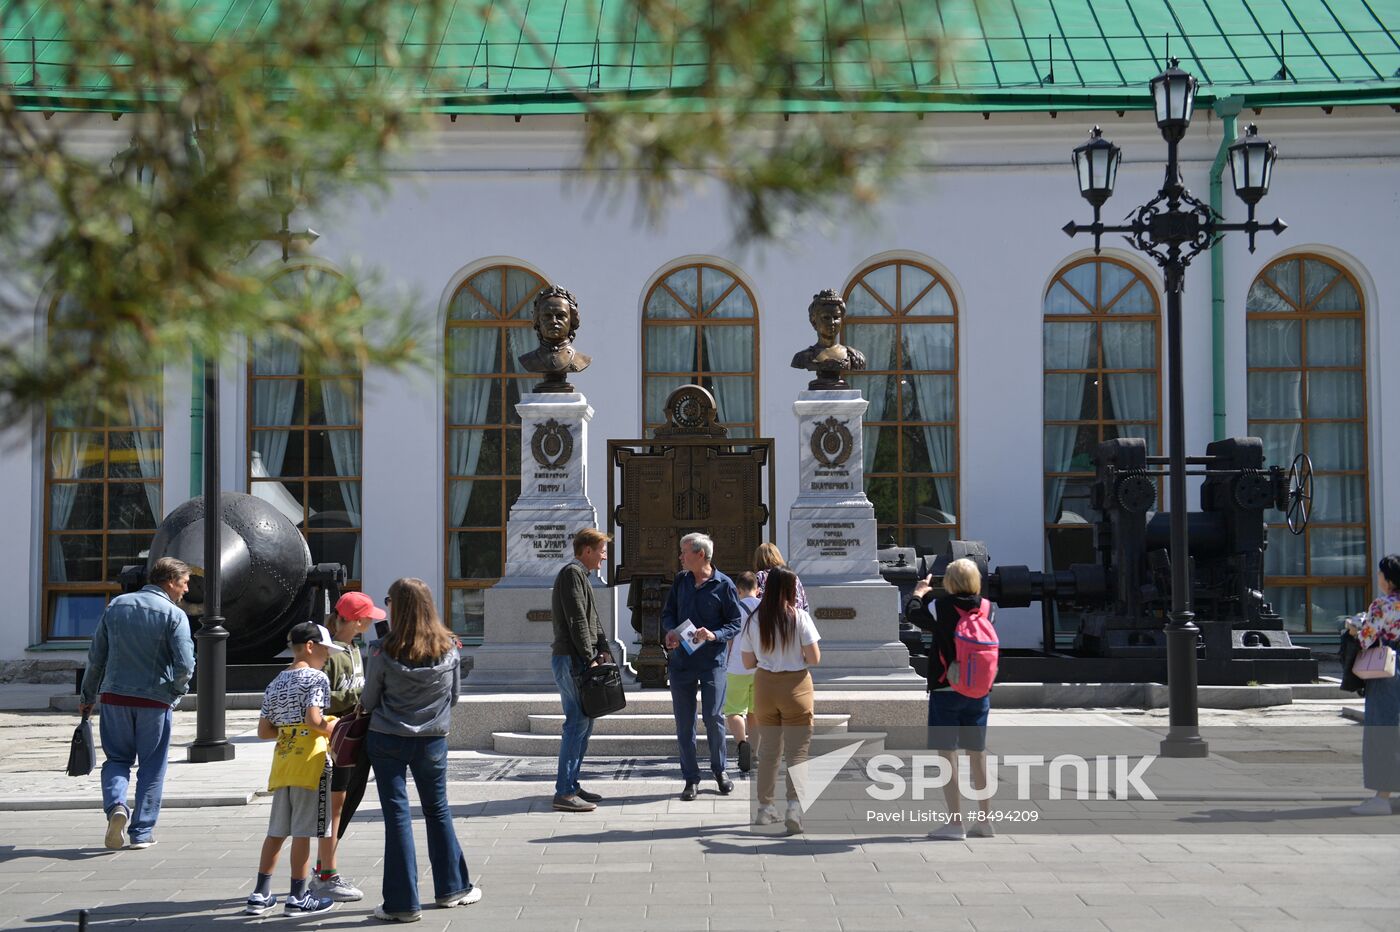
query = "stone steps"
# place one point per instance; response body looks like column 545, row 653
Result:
column 652, row 724
column 661, row 745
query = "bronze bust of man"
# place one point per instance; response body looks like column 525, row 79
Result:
column 826, row 357
column 556, row 322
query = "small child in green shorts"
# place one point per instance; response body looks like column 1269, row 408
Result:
column 738, row 695
column 301, row 772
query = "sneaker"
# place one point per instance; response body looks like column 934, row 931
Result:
column 572, row 804
column 1376, row 805
column 383, row 916
column 308, row 904
column 767, row 815
column 258, row 904
column 337, row 888
column 460, row 899
column 138, row 845
column 745, row 756
column 116, row 826
column 981, row 828
column 793, row 819
column 953, row 831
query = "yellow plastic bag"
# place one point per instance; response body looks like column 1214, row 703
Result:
column 299, row 759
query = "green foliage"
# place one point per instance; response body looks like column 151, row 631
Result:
column 155, row 244
column 738, row 69
column 240, row 113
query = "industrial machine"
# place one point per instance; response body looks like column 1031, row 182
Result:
column 1124, row 596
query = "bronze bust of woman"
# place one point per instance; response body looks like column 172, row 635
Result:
column 828, row 358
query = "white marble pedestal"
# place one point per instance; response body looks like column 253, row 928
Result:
column 553, row 502
column 553, row 505
column 832, row 547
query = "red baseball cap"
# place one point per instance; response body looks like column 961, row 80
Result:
column 353, row 606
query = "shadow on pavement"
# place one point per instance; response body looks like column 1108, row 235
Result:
column 1330, row 813
column 12, row 853
column 195, row 914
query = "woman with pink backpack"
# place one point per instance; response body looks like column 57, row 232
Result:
column 961, row 669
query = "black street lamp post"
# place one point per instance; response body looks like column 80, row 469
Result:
column 1173, row 228
column 211, row 641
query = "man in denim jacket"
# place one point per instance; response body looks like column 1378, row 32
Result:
column 140, row 661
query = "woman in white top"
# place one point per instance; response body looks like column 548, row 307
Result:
column 779, row 648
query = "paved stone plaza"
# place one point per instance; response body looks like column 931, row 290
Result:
column 646, row 860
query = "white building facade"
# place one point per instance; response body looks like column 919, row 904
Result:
column 1001, row 351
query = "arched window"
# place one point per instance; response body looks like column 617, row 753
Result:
column 304, row 434
column 489, row 324
column 102, row 495
column 902, row 316
column 1306, row 352
column 1102, row 382
column 700, row 326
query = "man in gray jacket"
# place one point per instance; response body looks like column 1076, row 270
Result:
column 578, row 643
column 140, row 662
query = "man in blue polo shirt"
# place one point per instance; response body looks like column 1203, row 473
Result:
column 707, row 599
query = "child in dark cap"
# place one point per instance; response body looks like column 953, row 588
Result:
column 301, row 773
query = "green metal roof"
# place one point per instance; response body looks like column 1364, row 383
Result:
column 537, row 56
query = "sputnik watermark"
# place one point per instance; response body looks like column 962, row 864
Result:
column 1103, row 776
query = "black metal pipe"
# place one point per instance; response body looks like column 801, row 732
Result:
column 211, row 641
column 1184, row 733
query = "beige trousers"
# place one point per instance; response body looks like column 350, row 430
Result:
column 783, row 703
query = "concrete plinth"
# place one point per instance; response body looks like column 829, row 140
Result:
column 859, row 625
column 518, row 632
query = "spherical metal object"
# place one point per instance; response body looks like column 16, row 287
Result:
column 263, row 563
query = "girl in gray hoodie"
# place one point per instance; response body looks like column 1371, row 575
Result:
column 411, row 684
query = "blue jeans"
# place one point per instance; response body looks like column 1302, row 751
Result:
column 957, row 721
column 134, row 735
column 578, row 728
column 711, row 683
column 392, row 756
column 1380, row 735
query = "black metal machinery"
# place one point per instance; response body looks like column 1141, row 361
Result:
column 1124, row 597
column 268, row 580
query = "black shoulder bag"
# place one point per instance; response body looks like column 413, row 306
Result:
column 600, row 689
column 82, row 754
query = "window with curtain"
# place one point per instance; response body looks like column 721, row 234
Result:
column 489, row 325
column 304, row 436
column 902, row 316
column 1102, row 382
column 700, row 327
column 102, row 495
column 1306, row 349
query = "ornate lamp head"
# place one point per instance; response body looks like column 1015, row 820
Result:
column 1174, row 97
column 1096, row 165
column 1252, row 161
